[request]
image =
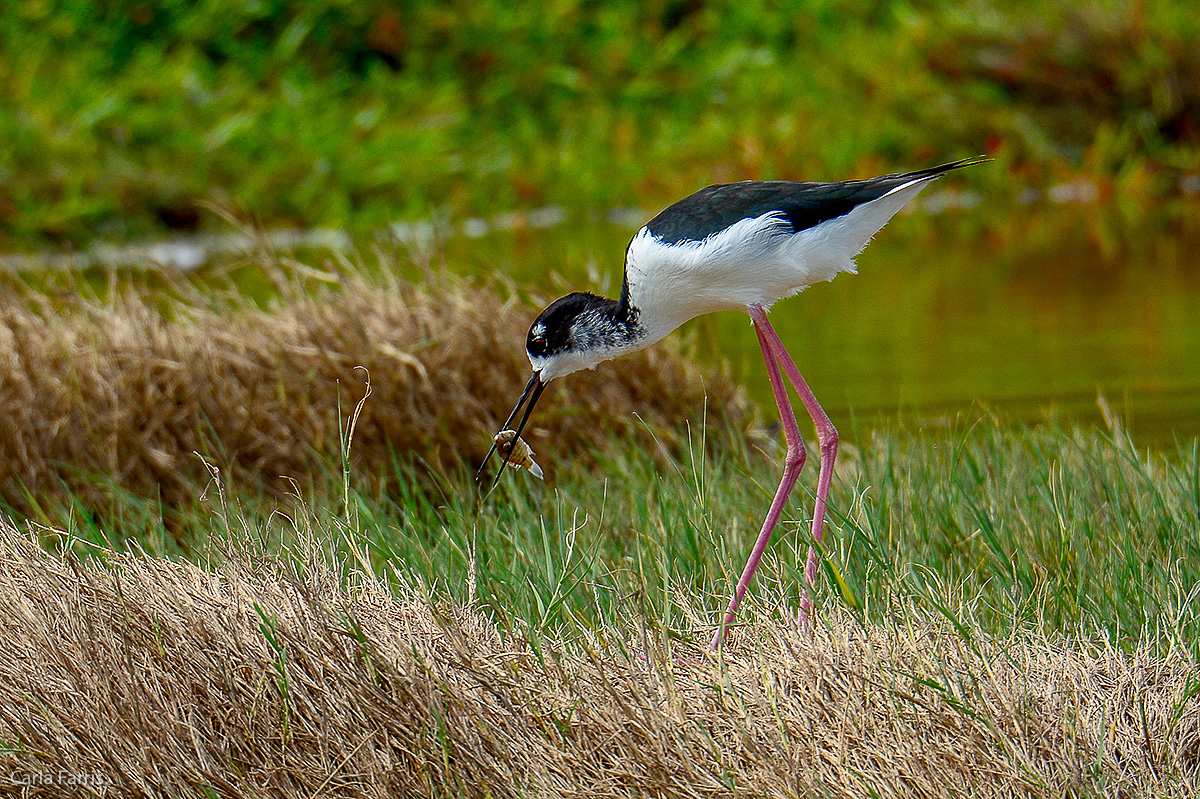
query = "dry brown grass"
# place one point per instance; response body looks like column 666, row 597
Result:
column 250, row 680
column 116, row 395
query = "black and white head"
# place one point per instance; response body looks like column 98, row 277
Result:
column 574, row 332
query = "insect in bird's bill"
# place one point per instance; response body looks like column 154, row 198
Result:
column 731, row 246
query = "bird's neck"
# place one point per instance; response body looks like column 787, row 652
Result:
column 625, row 308
column 619, row 322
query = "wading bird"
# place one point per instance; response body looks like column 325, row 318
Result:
column 731, row 246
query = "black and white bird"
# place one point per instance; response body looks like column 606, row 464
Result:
column 731, row 246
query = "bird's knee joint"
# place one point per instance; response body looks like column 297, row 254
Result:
column 829, row 442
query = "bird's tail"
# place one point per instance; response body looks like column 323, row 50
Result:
column 935, row 171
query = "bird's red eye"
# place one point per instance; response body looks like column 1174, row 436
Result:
column 537, row 345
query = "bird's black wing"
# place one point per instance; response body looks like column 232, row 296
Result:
column 804, row 205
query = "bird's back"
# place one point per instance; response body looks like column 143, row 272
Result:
column 739, row 244
column 715, row 208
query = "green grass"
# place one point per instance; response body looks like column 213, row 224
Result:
column 1062, row 532
column 121, row 117
column 1001, row 608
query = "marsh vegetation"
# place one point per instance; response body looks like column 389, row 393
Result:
column 243, row 553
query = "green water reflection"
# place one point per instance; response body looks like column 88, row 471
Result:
column 941, row 328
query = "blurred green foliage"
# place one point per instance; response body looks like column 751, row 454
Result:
column 117, row 116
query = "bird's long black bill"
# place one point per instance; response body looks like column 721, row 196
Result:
column 533, row 390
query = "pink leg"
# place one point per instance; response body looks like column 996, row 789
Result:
column 827, row 440
column 774, row 354
column 793, row 462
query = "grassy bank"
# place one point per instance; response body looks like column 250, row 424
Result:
column 1002, row 610
column 122, row 392
column 285, row 673
column 232, row 571
column 1068, row 533
column 124, row 408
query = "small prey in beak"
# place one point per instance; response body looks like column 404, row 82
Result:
column 514, row 450
column 508, row 446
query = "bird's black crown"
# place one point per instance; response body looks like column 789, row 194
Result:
column 553, row 330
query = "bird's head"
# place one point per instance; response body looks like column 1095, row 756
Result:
column 575, row 332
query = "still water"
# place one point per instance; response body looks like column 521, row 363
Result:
column 937, row 327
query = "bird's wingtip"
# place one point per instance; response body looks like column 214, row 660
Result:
column 951, row 166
